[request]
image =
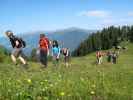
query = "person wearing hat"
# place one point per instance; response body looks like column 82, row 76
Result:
column 17, row 45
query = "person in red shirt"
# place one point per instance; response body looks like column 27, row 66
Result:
column 44, row 49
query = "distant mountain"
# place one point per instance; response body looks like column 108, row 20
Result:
column 69, row 38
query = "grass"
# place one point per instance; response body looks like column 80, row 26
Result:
column 83, row 80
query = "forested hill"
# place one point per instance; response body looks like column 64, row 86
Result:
column 104, row 39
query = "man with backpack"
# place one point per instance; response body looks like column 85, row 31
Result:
column 17, row 44
column 44, row 49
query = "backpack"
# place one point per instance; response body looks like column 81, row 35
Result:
column 21, row 42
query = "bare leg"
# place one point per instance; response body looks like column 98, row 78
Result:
column 22, row 60
column 13, row 59
column 67, row 64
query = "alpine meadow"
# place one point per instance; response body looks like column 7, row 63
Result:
column 66, row 49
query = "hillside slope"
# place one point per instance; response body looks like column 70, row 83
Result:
column 83, row 80
column 69, row 38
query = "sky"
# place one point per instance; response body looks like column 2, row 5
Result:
column 22, row 16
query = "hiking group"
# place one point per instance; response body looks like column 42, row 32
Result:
column 43, row 51
column 45, row 46
column 111, row 56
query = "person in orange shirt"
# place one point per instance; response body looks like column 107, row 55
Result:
column 44, row 49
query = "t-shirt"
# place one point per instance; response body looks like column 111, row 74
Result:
column 56, row 50
column 15, row 42
column 43, row 44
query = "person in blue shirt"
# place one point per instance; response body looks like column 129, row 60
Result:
column 55, row 52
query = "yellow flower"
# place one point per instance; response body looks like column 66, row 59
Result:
column 51, row 85
column 46, row 80
column 29, row 80
column 41, row 83
column 82, row 79
column 62, row 93
column 92, row 92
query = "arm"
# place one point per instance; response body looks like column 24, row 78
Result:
column 16, row 43
column 67, row 53
column 58, row 53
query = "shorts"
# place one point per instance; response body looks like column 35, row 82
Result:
column 17, row 52
column 55, row 56
column 66, row 59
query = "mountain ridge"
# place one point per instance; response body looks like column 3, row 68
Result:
column 70, row 38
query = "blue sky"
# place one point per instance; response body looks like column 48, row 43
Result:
column 34, row 15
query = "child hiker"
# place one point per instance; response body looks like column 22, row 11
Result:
column 66, row 54
column 55, row 52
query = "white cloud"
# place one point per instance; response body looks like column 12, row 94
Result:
column 130, row 13
column 95, row 13
column 117, row 21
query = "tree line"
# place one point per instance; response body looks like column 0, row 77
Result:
column 104, row 39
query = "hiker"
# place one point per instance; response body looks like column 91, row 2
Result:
column 55, row 52
column 114, row 57
column 18, row 44
column 66, row 54
column 109, row 56
column 99, row 57
column 44, row 49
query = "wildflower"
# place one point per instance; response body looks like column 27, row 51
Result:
column 46, row 80
column 62, row 93
column 45, row 98
column 51, row 85
column 43, row 89
column 82, row 79
column 41, row 83
column 29, row 80
column 92, row 92
column 60, row 76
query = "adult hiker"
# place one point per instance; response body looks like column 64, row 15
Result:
column 109, row 56
column 66, row 54
column 18, row 44
column 114, row 57
column 99, row 57
column 44, row 49
column 55, row 52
